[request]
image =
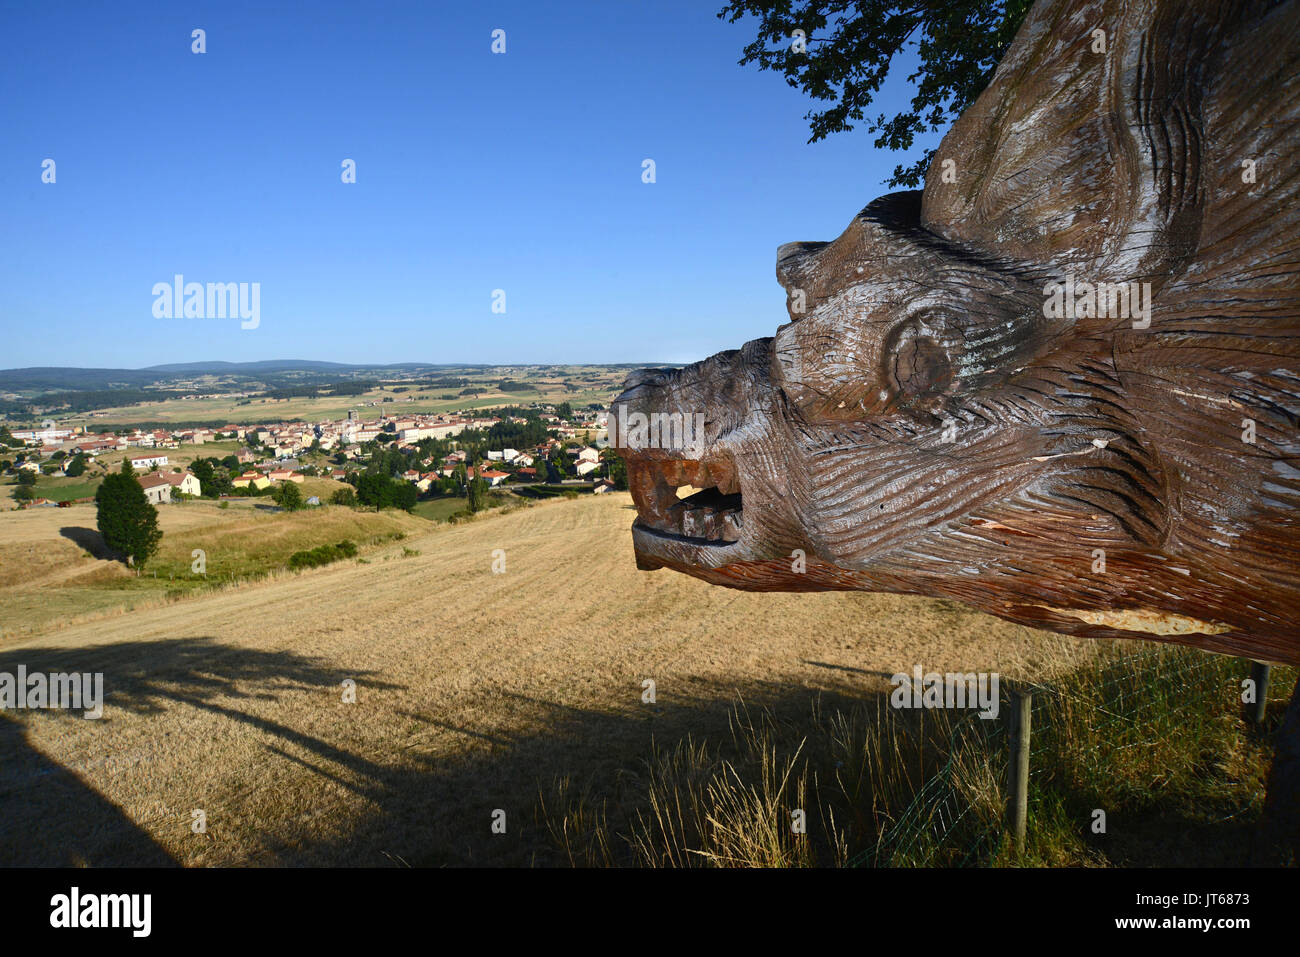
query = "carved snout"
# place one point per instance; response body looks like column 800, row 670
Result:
column 676, row 432
column 706, row 399
column 794, row 262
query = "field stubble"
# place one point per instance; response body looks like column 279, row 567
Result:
column 475, row 691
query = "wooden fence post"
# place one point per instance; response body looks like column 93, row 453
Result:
column 1259, row 673
column 1018, row 766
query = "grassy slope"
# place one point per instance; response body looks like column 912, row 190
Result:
column 439, row 509
column 53, row 570
column 475, row 690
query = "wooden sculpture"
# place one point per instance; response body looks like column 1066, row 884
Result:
column 1061, row 384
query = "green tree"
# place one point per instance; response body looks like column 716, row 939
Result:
column 205, row 473
column 380, row 491
column 344, row 496
column 850, row 45
column 26, row 477
column 371, row 489
column 126, row 519
column 560, row 466
column 617, row 469
column 214, row 481
column 404, row 495
column 288, row 496
column 24, row 493
column 76, row 467
column 564, row 411
column 476, row 494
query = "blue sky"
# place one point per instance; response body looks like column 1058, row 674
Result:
column 475, row 172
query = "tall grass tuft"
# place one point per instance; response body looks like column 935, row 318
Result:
column 1155, row 738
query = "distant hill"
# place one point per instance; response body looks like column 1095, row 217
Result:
column 58, row 378
column 72, row 379
column 267, row 365
column 43, row 379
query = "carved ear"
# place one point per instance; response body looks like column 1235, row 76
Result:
column 1085, row 150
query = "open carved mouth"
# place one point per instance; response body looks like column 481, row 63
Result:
column 688, row 500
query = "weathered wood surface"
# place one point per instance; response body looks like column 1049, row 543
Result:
column 932, row 420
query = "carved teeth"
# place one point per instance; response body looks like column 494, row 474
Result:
column 708, row 515
column 688, row 497
column 675, row 472
column 722, row 475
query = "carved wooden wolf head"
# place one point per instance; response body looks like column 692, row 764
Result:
column 1062, row 384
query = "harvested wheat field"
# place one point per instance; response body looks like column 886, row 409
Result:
column 474, row 692
column 55, row 570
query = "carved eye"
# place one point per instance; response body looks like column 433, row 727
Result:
column 853, row 369
column 921, row 367
column 918, row 364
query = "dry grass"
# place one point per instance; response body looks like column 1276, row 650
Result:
column 476, row 691
column 54, row 570
column 1156, row 740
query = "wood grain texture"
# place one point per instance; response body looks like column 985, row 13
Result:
column 926, row 423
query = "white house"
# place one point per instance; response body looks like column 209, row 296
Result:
column 145, row 462
column 491, row 476
column 158, row 486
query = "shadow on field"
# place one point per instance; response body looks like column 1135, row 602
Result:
column 848, row 669
column 429, row 778
column 89, row 540
column 49, row 817
column 438, row 810
column 422, row 805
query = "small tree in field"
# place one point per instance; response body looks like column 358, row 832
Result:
column 126, row 519
column 477, row 494
column 288, row 496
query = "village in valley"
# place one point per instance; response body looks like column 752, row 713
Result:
column 304, row 467
column 434, row 441
column 274, row 453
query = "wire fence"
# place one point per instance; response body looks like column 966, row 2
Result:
column 1106, row 732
